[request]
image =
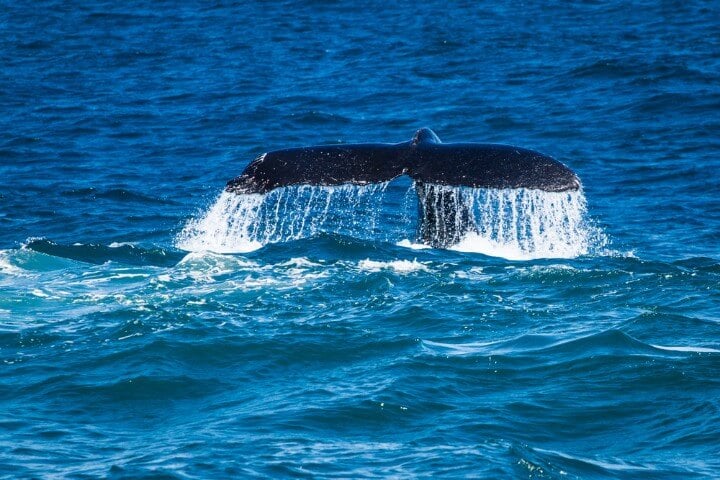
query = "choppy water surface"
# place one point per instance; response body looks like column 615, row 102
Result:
column 152, row 326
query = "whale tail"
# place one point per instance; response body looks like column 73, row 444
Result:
column 426, row 160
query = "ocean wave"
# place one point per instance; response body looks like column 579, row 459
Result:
column 6, row 265
column 330, row 347
column 124, row 253
column 117, row 195
column 609, row 343
column 542, row 463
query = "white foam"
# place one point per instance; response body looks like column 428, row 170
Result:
column 206, row 267
column 206, row 259
column 6, row 266
column 475, row 243
column 121, row 276
column 400, row 266
column 299, row 262
column 121, row 244
column 687, row 349
column 412, row 245
column 474, row 273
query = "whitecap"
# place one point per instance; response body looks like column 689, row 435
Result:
column 399, row 266
column 121, row 244
column 412, row 245
column 6, row 265
column 689, row 349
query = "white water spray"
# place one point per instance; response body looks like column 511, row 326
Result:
column 239, row 223
column 523, row 224
column 516, row 224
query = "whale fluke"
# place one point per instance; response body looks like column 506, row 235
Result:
column 425, row 159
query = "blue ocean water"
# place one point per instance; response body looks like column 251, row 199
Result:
column 129, row 351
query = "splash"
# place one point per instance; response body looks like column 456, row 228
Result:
column 516, row 224
column 399, row 266
column 243, row 223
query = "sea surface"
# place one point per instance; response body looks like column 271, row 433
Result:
column 152, row 326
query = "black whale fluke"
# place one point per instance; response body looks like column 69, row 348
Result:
column 425, row 159
column 428, row 161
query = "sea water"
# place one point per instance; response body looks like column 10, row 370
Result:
column 152, row 326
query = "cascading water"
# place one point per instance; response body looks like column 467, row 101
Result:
column 246, row 222
column 517, row 224
column 514, row 223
